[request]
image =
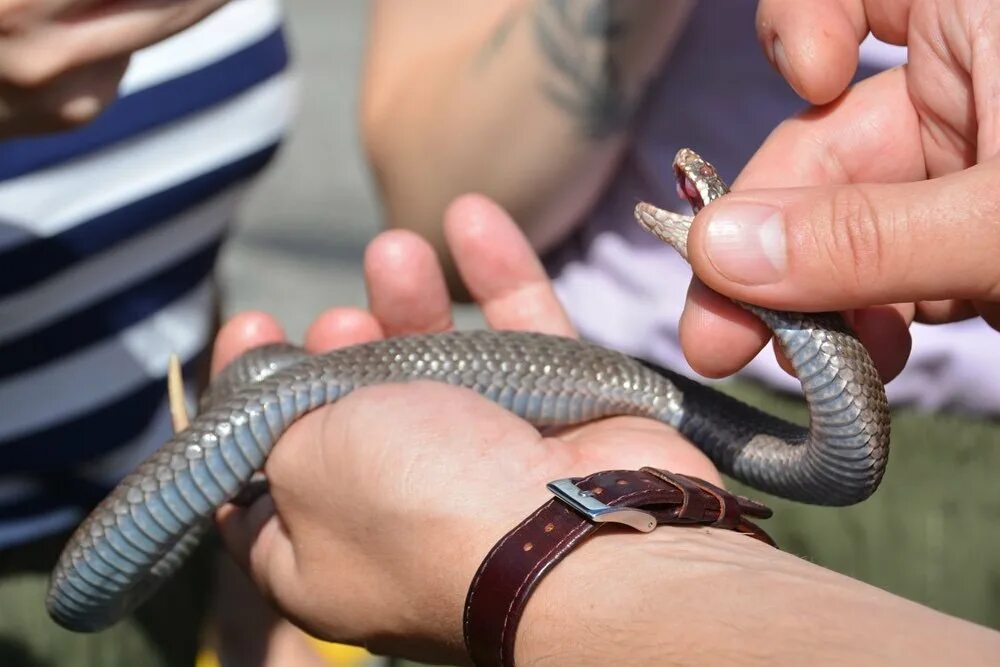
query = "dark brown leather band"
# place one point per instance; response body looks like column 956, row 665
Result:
column 513, row 568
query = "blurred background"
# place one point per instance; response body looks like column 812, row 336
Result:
column 307, row 221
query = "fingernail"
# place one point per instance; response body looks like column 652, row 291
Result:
column 746, row 243
column 780, row 60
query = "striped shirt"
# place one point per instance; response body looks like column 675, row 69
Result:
column 108, row 238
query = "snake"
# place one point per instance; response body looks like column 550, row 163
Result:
column 141, row 533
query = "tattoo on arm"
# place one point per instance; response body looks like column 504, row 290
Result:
column 498, row 38
column 582, row 41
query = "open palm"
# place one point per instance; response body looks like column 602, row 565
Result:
column 472, row 468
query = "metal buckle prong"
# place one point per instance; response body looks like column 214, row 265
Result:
column 589, row 506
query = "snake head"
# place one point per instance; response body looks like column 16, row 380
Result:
column 698, row 182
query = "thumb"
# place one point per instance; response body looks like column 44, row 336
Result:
column 842, row 247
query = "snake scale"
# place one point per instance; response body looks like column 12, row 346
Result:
column 141, row 533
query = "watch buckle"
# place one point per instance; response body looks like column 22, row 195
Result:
column 585, row 503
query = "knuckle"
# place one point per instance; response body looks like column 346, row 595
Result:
column 855, row 241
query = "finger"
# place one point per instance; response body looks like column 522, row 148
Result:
column 406, row 288
column 843, row 247
column 240, row 527
column 814, row 45
column 889, row 20
column 40, row 49
column 500, row 268
column 885, row 333
column 340, row 327
column 942, row 312
column 241, row 333
column 982, row 61
column 870, row 135
column 718, row 337
column 72, row 99
column 256, row 539
column 81, row 96
column 820, row 147
column 989, row 311
column 817, row 148
column 102, row 30
column 22, row 18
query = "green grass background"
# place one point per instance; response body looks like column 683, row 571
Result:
column 931, row 533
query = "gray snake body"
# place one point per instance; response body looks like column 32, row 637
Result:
column 138, row 536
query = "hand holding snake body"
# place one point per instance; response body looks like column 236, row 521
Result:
column 138, row 536
column 361, row 562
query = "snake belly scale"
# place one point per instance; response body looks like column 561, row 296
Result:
column 141, row 533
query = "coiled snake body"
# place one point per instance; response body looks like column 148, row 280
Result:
column 140, row 534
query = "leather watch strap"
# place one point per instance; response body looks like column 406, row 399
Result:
column 642, row 499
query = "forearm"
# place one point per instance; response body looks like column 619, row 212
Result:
column 527, row 102
column 687, row 596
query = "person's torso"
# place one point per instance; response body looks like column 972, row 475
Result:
column 108, row 238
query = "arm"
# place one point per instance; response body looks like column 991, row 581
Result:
column 362, row 562
column 527, row 102
column 682, row 597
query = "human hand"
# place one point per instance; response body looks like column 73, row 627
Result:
column 61, row 60
column 891, row 191
column 382, row 506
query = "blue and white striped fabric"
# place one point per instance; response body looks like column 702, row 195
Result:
column 108, row 238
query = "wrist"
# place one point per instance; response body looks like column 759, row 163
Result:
column 446, row 550
column 606, row 594
column 640, row 499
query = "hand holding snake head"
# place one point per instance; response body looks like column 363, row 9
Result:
column 881, row 202
column 698, row 183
